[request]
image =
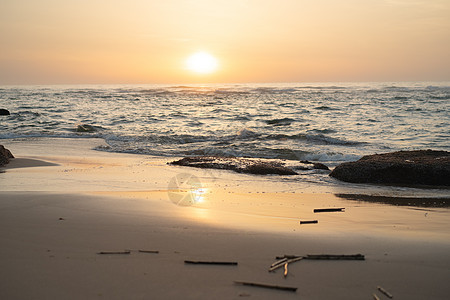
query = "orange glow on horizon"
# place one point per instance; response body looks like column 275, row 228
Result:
column 255, row 41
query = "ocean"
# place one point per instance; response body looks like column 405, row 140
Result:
column 329, row 123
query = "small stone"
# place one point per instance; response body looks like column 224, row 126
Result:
column 4, row 112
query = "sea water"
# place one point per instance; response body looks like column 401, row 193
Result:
column 329, row 123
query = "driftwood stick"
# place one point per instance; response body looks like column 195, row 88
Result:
column 148, row 251
column 285, row 269
column 197, row 262
column 287, row 262
column 309, row 222
column 283, row 260
column 318, row 210
column 269, row 286
column 288, row 256
column 336, row 257
column 271, row 269
column 385, row 292
column 295, row 259
column 375, row 297
column 114, row 252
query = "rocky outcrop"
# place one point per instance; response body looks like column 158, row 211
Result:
column 4, row 112
column 5, row 155
column 423, row 167
column 237, row 164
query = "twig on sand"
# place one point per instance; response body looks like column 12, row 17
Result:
column 269, row 286
column 197, row 262
column 115, row 252
column 385, row 292
column 336, row 257
column 285, row 270
column 279, row 265
column 309, row 222
column 148, row 251
column 375, row 297
column 282, row 260
column 288, row 256
column 318, row 210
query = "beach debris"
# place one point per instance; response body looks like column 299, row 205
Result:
column 288, row 256
column 198, row 262
column 237, row 164
column 61, row 219
column 389, row 295
column 285, row 270
column 335, row 256
column 319, row 210
column 115, row 252
column 148, row 251
column 282, row 260
column 375, row 297
column 269, row 286
column 309, row 222
column 281, row 263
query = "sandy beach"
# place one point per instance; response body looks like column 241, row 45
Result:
column 62, row 203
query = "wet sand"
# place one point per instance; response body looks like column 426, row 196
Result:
column 66, row 203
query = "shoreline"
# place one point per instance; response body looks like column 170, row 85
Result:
column 56, row 218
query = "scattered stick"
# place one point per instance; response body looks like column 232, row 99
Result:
column 271, row 269
column 318, row 210
column 375, row 297
column 196, row 262
column 285, row 269
column 292, row 260
column 336, row 257
column 269, row 286
column 148, row 251
column 114, row 252
column 309, row 222
column 283, row 260
column 385, row 292
column 288, row 256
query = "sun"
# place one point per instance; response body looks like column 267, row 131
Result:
column 202, row 62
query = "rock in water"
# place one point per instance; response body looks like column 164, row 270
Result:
column 85, row 128
column 5, row 155
column 237, row 164
column 423, row 167
column 4, row 112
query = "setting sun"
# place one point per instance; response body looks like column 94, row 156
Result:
column 202, row 62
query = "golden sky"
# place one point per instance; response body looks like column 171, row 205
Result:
column 149, row 41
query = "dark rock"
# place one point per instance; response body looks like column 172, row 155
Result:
column 4, row 112
column 85, row 128
column 320, row 166
column 5, row 155
column 317, row 166
column 237, row 164
column 423, row 167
